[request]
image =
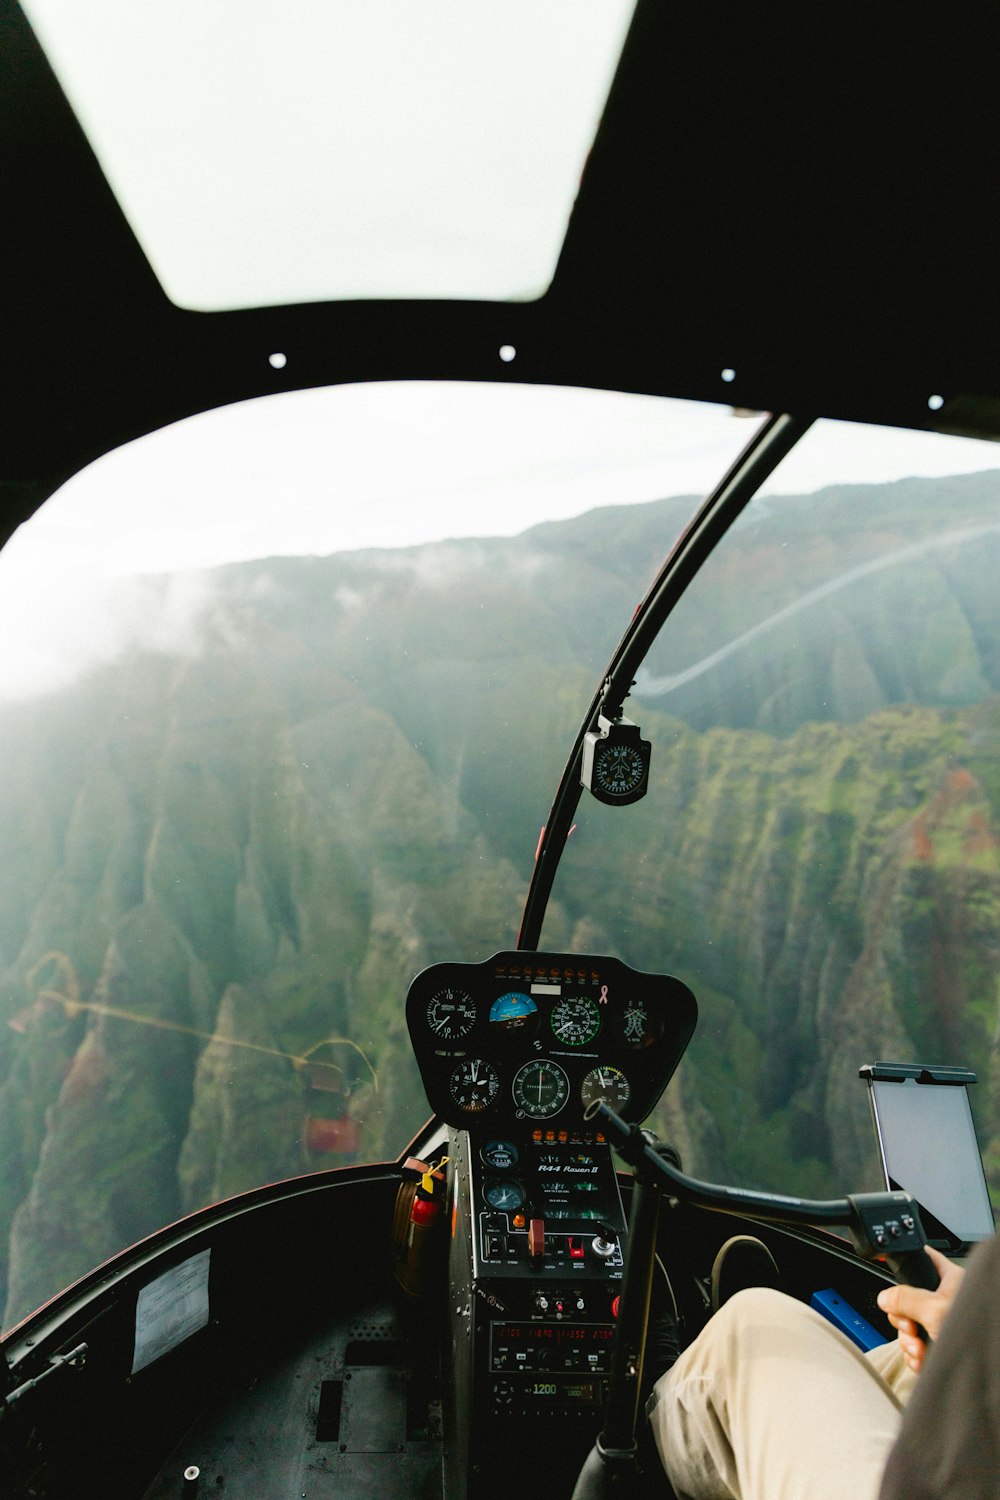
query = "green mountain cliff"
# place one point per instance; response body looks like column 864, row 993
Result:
column 222, row 870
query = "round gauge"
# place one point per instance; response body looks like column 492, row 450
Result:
column 576, row 1020
column 501, row 1155
column 540, row 1088
column 636, row 1025
column 451, row 1014
column 514, row 1012
column 474, row 1084
column 507, row 1195
column 619, row 769
column 609, row 1084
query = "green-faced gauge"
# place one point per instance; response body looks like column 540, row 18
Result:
column 576, row 1020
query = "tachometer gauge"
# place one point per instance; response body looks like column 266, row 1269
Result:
column 514, row 1012
column 474, row 1085
column 507, row 1195
column 451, row 1014
column 540, row 1089
column 609, row 1084
column 576, row 1020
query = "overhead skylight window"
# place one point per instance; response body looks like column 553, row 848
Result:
column 268, row 153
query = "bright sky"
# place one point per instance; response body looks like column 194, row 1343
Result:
column 323, row 471
column 269, row 153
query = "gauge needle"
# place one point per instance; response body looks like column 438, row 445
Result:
column 475, row 1071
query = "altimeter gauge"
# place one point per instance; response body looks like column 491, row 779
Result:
column 576, row 1020
column 451, row 1014
column 609, row 1084
column 474, row 1085
column 540, row 1089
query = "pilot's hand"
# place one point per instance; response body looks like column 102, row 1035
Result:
column 908, row 1306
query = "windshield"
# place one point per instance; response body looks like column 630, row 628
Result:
column 286, row 694
column 817, row 856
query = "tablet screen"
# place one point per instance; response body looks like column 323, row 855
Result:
column 928, row 1146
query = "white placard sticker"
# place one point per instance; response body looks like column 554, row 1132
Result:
column 170, row 1309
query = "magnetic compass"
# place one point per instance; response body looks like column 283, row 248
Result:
column 615, row 766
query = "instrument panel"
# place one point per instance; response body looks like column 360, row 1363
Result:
column 528, row 1039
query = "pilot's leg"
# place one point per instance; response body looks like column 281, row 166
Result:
column 889, row 1362
column 771, row 1401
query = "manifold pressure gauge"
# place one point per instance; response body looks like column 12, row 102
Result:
column 615, row 765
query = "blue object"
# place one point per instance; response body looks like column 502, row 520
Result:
column 843, row 1316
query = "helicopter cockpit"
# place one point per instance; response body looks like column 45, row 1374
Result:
column 414, row 410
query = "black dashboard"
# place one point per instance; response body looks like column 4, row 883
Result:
column 528, row 1040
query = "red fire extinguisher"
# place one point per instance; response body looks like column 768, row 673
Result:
column 418, row 1208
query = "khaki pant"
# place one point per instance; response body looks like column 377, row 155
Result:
column 771, row 1402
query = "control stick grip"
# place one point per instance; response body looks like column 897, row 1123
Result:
column 914, row 1268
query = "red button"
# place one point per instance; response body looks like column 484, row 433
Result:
column 615, row 1306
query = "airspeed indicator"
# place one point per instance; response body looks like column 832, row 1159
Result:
column 576, row 1020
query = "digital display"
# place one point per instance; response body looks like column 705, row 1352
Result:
column 548, row 1333
column 928, row 1146
column 584, row 1392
